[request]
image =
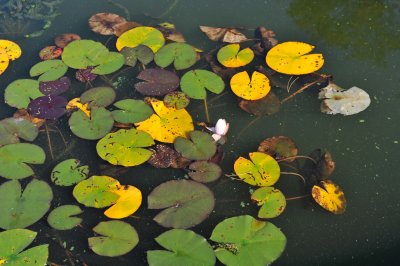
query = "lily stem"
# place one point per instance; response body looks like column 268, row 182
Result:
column 298, row 197
column 49, row 141
column 296, row 157
column 296, row 174
column 206, row 110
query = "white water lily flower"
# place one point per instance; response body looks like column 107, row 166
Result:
column 345, row 102
column 220, row 129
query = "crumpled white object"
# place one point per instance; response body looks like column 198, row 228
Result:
column 220, row 129
column 345, row 102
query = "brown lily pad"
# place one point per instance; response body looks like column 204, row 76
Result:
column 279, row 147
column 157, row 82
column 268, row 105
column 122, row 27
column 50, row 52
column 163, row 156
column 23, row 113
column 64, row 39
column 229, row 35
column 105, row 23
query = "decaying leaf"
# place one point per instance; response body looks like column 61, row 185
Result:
column 177, row 100
column 23, row 113
column 279, row 147
column 271, row 200
column 157, row 82
column 345, row 102
column 320, row 167
column 105, row 23
column 148, row 36
column 330, row 197
column 129, row 201
column 163, row 156
column 229, row 35
column 267, row 40
column 170, row 33
column 75, row 103
column 250, row 89
column 85, row 75
column 268, row 105
column 64, row 39
column 50, row 52
column 123, row 27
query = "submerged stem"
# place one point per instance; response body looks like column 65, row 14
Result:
column 296, row 157
column 298, row 197
column 49, row 141
column 322, row 78
column 248, row 126
column 296, row 174
column 206, row 110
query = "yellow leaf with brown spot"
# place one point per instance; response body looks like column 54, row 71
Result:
column 12, row 49
column 76, row 104
column 250, row 89
column 130, row 199
column 231, row 56
column 148, row 36
column 330, row 196
column 293, row 58
column 167, row 123
column 4, row 61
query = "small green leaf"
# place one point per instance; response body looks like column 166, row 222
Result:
column 81, row 54
column 116, row 238
column 204, row 171
column 61, row 217
column 69, row 172
column 11, row 129
column 20, row 92
column 177, row 100
column 184, row 247
column 94, row 127
column 113, row 62
column 195, row 82
column 181, row 54
column 140, row 53
column 201, row 146
column 49, row 70
column 271, row 200
column 98, row 96
column 132, row 111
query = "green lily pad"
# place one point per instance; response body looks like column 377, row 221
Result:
column 271, row 200
column 195, row 82
column 117, row 238
column 20, row 209
column 15, row 157
column 12, row 129
column 98, row 97
column 49, row 70
column 96, row 191
column 81, row 54
column 204, row 172
column 186, row 203
column 61, row 218
column 184, row 247
column 132, row 111
column 177, row 100
column 182, row 55
column 113, row 62
column 147, row 36
column 12, row 244
column 140, row 53
column 243, row 239
column 20, row 92
column 69, row 172
column 125, row 147
column 94, row 127
column 201, row 146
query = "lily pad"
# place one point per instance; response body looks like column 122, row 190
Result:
column 85, row 75
column 229, row 35
column 20, row 92
column 279, row 147
column 12, row 244
column 12, row 129
column 182, row 55
column 166, row 124
column 243, row 239
column 268, row 105
column 11, row 49
column 48, row 107
column 62, row 217
column 81, row 54
column 201, row 146
column 147, row 36
column 204, row 172
column 69, row 172
column 250, row 89
column 15, row 157
column 97, row 191
column 66, row 38
column 129, row 201
column 163, row 156
column 195, row 82
column 116, row 238
column 263, row 170
column 55, row 87
column 98, row 97
column 132, row 111
column 94, row 127
column 184, row 247
column 105, row 23
column 113, row 62
column 50, row 52
column 140, row 53
column 271, row 200
column 49, row 70
column 20, row 209
column 186, row 203
column 177, row 100
column 157, row 82
column 125, row 147
column 329, row 196
column 231, row 56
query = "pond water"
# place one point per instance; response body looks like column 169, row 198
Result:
column 360, row 41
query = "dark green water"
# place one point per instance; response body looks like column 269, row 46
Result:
column 360, row 41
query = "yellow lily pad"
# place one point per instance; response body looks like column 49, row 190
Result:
column 293, row 58
column 12, row 49
column 330, row 197
column 148, row 36
column 230, row 56
column 250, row 89
column 130, row 199
column 4, row 61
column 167, row 123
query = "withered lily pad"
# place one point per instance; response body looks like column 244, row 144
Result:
column 140, row 53
column 55, row 87
column 157, row 82
column 64, row 39
column 229, row 35
column 186, row 203
column 330, row 197
column 177, row 100
column 279, row 147
column 12, row 129
column 268, row 105
column 163, row 156
column 319, row 168
column 50, row 52
column 98, row 97
column 48, row 107
column 85, row 75
column 201, row 146
column 105, row 23
column 204, row 172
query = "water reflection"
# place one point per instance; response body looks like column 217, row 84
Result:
column 367, row 29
